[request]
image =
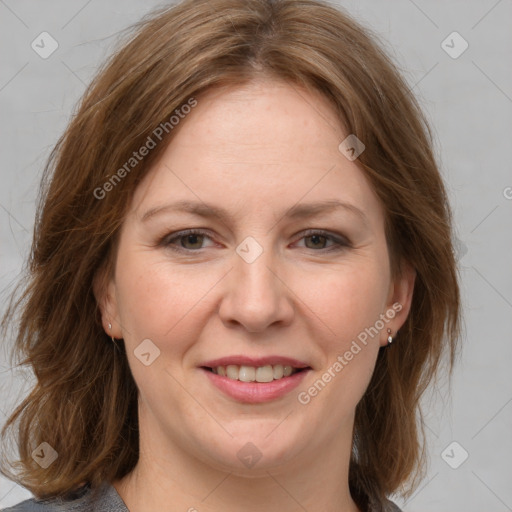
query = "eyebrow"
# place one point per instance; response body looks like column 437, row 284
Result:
column 299, row 211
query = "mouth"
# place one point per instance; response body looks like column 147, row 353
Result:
column 244, row 373
column 252, row 380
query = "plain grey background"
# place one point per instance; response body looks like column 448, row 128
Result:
column 468, row 99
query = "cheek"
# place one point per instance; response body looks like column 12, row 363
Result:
column 156, row 299
column 165, row 304
column 346, row 300
column 347, row 304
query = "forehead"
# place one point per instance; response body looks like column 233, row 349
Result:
column 283, row 119
column 261, row 144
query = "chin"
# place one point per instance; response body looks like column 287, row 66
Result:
column 253, row 454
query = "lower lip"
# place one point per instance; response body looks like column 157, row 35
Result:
column 256, row 392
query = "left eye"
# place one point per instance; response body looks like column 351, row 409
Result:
column 319, row 238
column 195, row 238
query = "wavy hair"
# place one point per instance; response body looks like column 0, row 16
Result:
column 84, row 402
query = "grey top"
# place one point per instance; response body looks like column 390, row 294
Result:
column 108, row 500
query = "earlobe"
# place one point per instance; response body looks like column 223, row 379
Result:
column 399, row 301
column 105, row 295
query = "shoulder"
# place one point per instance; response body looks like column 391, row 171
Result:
column 104, row 498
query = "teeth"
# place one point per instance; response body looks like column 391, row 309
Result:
column 232, row 372
column 266, row 373
column 278, row 371
column 247, row 374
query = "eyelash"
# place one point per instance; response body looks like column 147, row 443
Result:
column 339, row 243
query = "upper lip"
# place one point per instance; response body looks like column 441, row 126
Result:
column 255, row 361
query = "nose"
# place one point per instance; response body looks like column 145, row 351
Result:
column 255, row 295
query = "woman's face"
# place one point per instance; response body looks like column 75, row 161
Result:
column 276, row 280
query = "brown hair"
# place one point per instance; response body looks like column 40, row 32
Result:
column 84, row 403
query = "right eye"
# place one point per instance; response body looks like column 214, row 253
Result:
column 193, row 237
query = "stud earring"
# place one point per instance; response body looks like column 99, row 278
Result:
column 390, row 338
column 109, row 326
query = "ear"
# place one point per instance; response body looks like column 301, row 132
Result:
column 104, row 290
column 399, row 301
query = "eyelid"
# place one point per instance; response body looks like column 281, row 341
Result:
column 339, row 241
column 167, row 239
column 335, row 237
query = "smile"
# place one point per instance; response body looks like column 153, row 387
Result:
column 250, row 380
column 266, row 373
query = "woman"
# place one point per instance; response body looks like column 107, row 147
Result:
column 242, row 278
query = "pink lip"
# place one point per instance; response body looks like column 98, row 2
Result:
column 255, row 361
column 255, row 392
